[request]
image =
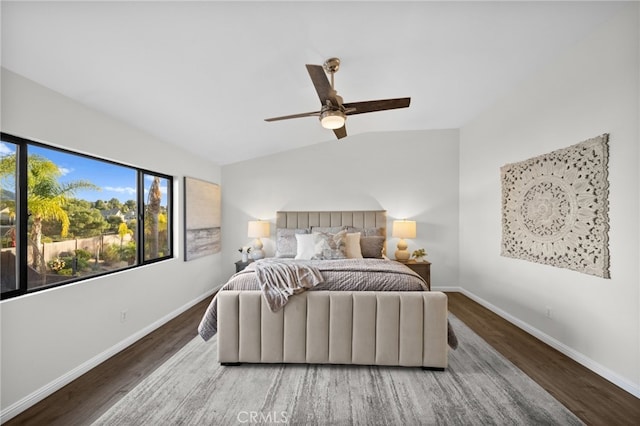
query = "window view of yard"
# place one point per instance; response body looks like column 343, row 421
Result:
column 82, row 216
column 8, row 220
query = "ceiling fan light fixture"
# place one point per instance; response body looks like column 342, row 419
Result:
column 332, row 119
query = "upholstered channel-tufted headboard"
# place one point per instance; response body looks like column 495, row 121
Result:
column 357, row 219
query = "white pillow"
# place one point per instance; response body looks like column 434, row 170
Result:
column 353, row 246
column 306, row 246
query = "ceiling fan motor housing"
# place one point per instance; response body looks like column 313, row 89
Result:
column 331, row 65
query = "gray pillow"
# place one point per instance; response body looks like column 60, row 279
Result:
column 368, row 232
column 286, row 245
column 329, row 229
column 372, row 246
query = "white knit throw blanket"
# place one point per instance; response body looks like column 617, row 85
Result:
column 280, row 279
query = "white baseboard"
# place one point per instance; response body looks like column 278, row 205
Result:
column 40, row 394
column 621, row 382
column 447, row 289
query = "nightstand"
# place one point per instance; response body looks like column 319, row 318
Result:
column 240, row 265
column 421, row 268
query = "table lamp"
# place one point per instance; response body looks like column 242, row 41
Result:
column 258, row 229
column 403, row 229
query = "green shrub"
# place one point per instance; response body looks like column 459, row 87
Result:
column 111, row 254
column 128, row 253
column 82, row 254
column 80, row 265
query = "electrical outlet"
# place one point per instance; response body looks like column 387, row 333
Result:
column 123, row 316
column 548, row 312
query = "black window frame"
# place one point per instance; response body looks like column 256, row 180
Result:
column 22, row 217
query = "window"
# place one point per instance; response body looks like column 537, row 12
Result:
column 8, row 223
column 156, row 224
column 68, row 217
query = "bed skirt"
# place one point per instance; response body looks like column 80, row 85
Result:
column 405, row 328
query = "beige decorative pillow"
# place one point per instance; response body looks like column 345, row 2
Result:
column 353, row 250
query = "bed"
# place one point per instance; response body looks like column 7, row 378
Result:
column 332, row 308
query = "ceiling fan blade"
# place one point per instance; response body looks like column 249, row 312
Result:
column 379, row 105
column 341, row 132
column 286, row 117
column 321, row 83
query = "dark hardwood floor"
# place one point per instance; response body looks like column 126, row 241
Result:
column 592, row 398
column 85, row 399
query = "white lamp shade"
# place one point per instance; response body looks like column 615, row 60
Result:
column 404, row 229
column 258, row 229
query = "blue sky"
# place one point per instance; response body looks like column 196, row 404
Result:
column 114, row 181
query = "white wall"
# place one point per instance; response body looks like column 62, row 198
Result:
column 591, row 89
column 412, row 175
column 50, row 337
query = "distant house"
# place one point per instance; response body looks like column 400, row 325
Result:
column 129, row 216
column 112, row 212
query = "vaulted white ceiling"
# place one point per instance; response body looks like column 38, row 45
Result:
column 205, row 74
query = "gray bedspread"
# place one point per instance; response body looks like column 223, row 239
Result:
column 342, row 275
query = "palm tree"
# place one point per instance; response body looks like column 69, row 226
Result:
column 46, row 197
column 155, row 197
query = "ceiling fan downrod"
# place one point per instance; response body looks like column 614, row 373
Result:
column 331, row 66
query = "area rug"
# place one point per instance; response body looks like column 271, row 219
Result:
column 480, row 387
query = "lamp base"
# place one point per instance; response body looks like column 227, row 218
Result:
column 256, row 251
column 257, row 254
column 402, row 254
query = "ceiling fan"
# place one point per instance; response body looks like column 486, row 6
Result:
column 334, row 112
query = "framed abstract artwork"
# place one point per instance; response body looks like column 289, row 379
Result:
column 555, row 208
column 202, row 218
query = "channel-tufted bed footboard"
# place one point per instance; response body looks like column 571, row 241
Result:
column 404, row 328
